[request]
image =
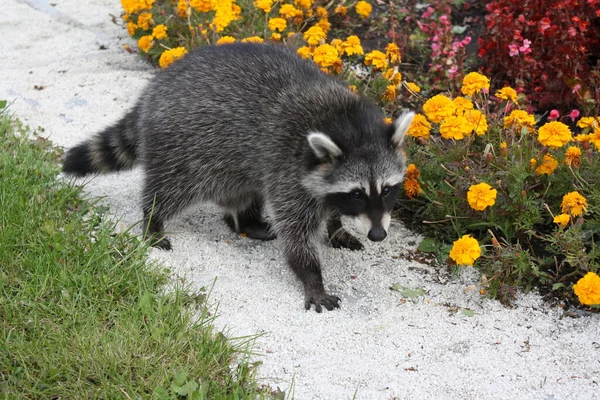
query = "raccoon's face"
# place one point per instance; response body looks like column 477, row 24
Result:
column 361, row 182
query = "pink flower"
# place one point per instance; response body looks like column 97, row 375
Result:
column 544, row 24
column 513, row 50
column 554, row 114
column 525, row 49
column 428, row 13
column 466, row 40
column 521, row 18
column 574, row 115
column 576, row 88
column 572, row 31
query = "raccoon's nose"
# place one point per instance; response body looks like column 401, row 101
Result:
column 377, row 234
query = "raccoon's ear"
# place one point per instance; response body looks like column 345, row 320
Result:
column 323, row 147
column 401, row 124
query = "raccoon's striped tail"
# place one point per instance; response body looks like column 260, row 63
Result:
column 111, row 150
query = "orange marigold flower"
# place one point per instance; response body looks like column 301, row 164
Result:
column 352, row 46
column 305, row 52
column 393, row 76
column 548, row 165
column 160, row 31
column 412, row 172
column 133, row 6
column 225, row 40
column 465, row 250
column 321, row 12
column 145, row 43
column 183, row 8
column 341, row 10
column 363, row 9
column 353, row 88
column 388, row 120
column 438, row 108
column 519, row 119
column 462, row 104
column 289, row 11
column 481, row 196
column 392, row 52
column 412, row 188
column 253, row 39
column 419, row 127
column 314, row 35
column 503, row 148
column 377, row 59
column 131, row 27
column 413, row 87
column 264, row 5
column 277, row 24
column 532, row 163
column 587, row 289
column 478, row 121
column 507, row 93
column 144, row 20
column 574, row 204
column 573, row 156
column 554, row 134
column 326, row 56
column 201, row 5
column 168, row 57
column 390, row 93
column 562, row 220
column 474, row 82
column 304, row 4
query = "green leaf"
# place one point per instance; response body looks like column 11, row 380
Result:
column 558, row 286
column 408, row 292
column 146, row 303
column 459, row 30
column 429, row 245
column 467, row 312
column 180, row 378
column 3, row 104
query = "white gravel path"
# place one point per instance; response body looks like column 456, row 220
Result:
column 377, row 345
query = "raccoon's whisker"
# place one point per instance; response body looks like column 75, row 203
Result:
column 338, row 231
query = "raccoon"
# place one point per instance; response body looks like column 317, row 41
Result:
column 284, row 148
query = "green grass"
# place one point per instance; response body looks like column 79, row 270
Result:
column 82, row 313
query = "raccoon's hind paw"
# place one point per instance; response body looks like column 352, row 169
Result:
column 162, row 243
column 254, row 229
column 321, row 299
column 344, row 240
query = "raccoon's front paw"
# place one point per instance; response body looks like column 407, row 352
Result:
column 162, row 243
column 321, row 299
column 344, row 240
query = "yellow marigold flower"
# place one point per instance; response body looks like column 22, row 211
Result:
column 144, row 20
column 183, row 8
column 412, row 188
column 253, row 39
column 377, row 59
column 341, row 10
column 481, row 196
column 353, row 88
column 324, row 24
column 589, row 122
column 519, row 119
column 419, row 127
column 562, row 220
column 168, row 57
column 554, row 134
column 393, row 76
column 462, row 104
column 131, row 27
column 574, row 203
column 474, row 82
column 322, row 12
column 478, row 121
column 363, row 9
column 226, row 12
column 338, row 44
column 314, row 35
column 352, row 46
column 587, row 289
column 455, row 128
column 304, row 4
column 275, row 36
column 392, row 52
column 305, row 52
column 548, row 165
column 289, row 11
column 201, row 5
column 325, row 56
column 593, row 138
column 503, row 148
column 507, row 93
column 126, row 17
column 133, row 6
column 412, row 172
column 465, row 250
column 159, row 31
column 277, row 24
column 438, row 108
column 413, row 87
column 264, row 5
column 388, row 120
column 225, row 40
column 145, row 43
column 573, row 156
column 532, row 163
column 390, row 93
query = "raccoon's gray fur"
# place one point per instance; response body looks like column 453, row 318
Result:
column 254, row 127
